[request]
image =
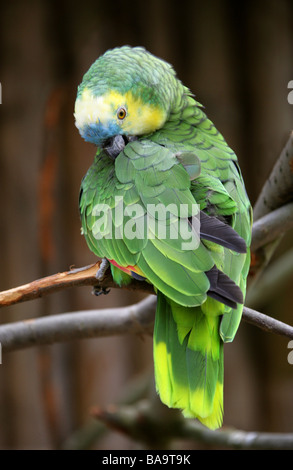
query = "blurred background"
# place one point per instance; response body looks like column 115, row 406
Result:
column 237, row 58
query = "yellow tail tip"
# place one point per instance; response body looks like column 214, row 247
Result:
column 211, row 415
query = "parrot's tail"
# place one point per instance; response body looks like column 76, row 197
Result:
column 188, row 360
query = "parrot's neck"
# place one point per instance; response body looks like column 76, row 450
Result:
column 183, row 107
column 185, row 116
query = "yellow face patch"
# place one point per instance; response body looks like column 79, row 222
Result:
column 141, row 118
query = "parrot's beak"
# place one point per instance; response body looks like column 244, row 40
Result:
column 116, row 144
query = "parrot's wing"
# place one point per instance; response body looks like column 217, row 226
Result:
column 169, row 251
column 160, row 193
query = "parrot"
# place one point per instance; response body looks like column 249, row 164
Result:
column 165, row 202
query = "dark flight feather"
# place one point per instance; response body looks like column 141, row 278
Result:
column 214, row 230
column 223, row 289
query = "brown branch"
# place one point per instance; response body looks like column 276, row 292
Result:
column 85, row 276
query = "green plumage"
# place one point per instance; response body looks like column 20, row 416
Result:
column 185, row 161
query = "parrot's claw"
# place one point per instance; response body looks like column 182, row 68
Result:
column 97, row 290
column 102, row 269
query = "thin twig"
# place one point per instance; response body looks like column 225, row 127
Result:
column 267, row 323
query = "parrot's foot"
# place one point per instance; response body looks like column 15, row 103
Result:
column 97, row 290
column 102, row 269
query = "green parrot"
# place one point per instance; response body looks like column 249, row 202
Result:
column 165, row 202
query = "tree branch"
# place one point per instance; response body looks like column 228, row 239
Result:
column 269, row 227
column 276, row 192
column 137, row 319
column 141, row 423
column 85, row 276
column 134, row 319
column 278, row 189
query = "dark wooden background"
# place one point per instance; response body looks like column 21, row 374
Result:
column 237, row 57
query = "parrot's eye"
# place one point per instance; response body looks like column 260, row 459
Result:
column 121, row 113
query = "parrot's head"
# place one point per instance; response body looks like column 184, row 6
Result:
column 126, row 93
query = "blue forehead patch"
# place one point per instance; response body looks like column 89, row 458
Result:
column 96, row 133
